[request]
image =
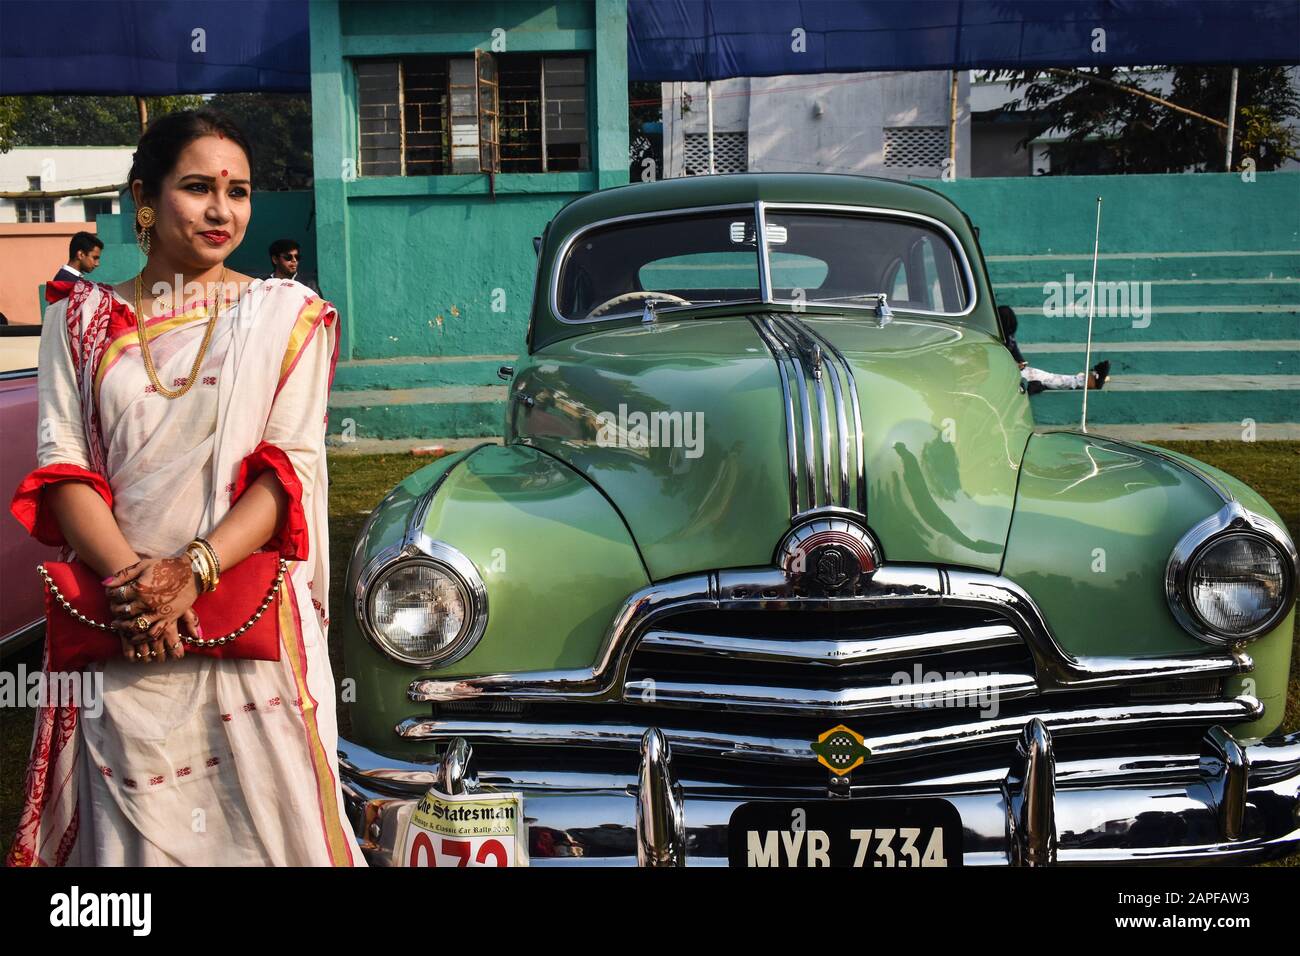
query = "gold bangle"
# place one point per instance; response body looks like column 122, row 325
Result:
column 215, row 565
column 200, row 557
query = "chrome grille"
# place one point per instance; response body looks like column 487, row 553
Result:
column 828, row 662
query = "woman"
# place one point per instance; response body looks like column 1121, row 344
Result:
column 204, row 422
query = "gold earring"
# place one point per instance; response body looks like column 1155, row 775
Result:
column 145, row 217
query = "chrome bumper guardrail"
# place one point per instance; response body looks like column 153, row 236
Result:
column 1231, row 802
column 891, row 586
column 906, row 742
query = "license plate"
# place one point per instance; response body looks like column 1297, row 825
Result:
column 846, row 833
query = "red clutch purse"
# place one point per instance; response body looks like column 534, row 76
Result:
column 240, row 619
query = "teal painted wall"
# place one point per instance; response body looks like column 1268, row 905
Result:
column 1044, row 215
column 1223, row 259
column 442, row 266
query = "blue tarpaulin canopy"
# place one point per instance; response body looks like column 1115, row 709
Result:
column 214, row 46
column 715, row 39
column 151, row 47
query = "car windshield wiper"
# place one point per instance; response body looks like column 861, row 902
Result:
column 883, row 311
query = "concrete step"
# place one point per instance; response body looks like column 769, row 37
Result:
column 1150, row 403
column 1171, row 358
column 1160, row 292
column 1128, row 266
column 1181, row 323
column 419, row 371
column 457, row 411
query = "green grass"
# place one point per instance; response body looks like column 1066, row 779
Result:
column 357, row 483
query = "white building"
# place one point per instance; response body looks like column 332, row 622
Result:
column 56, row 168
column 880, row 124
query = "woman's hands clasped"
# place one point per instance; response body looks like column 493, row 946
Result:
column 158, row 593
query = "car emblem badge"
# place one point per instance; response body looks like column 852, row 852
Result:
column 840, row 750
column 833, row 566
column 828, row 556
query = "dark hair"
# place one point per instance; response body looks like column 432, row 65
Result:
column 83, row 242
column 281, row 246
column 161, row 145
column 1008, row 317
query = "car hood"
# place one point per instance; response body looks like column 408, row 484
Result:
column 683, row 426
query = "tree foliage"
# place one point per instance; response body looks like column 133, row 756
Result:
column 80, row 120
column 1126, row 133
column 278, row 127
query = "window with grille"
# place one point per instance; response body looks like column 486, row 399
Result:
column 730, row 153
column 96, row 207
column 35, row 210
column 915, row 145
column 508, row 113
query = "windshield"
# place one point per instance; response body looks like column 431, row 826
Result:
column 815, row 257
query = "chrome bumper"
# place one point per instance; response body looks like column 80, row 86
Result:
column 1228, row 803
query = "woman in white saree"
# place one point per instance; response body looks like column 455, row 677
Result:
column 190, row 760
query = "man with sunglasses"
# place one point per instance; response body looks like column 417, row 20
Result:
column 285, row 261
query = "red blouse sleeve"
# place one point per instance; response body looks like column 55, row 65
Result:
column 290, row 539
column 28, row 502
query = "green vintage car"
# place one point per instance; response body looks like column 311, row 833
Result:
column 773, row 568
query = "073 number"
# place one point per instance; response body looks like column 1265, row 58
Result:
column 460, row 851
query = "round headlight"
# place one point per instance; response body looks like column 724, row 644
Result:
column 423, row 609
column 1237, row 585
column 1232, row 577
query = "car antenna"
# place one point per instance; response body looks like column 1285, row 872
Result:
column 1092, row 302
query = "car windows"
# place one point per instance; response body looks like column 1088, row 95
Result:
column 821, row 257
column 700, row 259
column 909, row 261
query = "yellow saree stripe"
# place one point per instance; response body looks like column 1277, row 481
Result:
column 290, row 640
column 301, row 330
column 128, row 339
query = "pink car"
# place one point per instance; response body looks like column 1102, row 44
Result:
column 22, row 615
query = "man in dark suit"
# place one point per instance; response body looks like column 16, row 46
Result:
column 285, row 260
column 83, row 258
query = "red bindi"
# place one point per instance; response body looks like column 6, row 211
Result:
column 224, row 173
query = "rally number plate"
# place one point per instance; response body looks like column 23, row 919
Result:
column 867, row 834
column 484, row 829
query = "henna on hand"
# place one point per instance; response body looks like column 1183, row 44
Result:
column 167, row 579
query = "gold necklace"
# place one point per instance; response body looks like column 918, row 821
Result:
column 198, row 359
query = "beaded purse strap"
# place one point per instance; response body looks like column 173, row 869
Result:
column 192, row 641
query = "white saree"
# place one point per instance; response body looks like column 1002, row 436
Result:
column 197, row 761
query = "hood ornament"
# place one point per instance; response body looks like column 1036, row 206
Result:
column 828, row 555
